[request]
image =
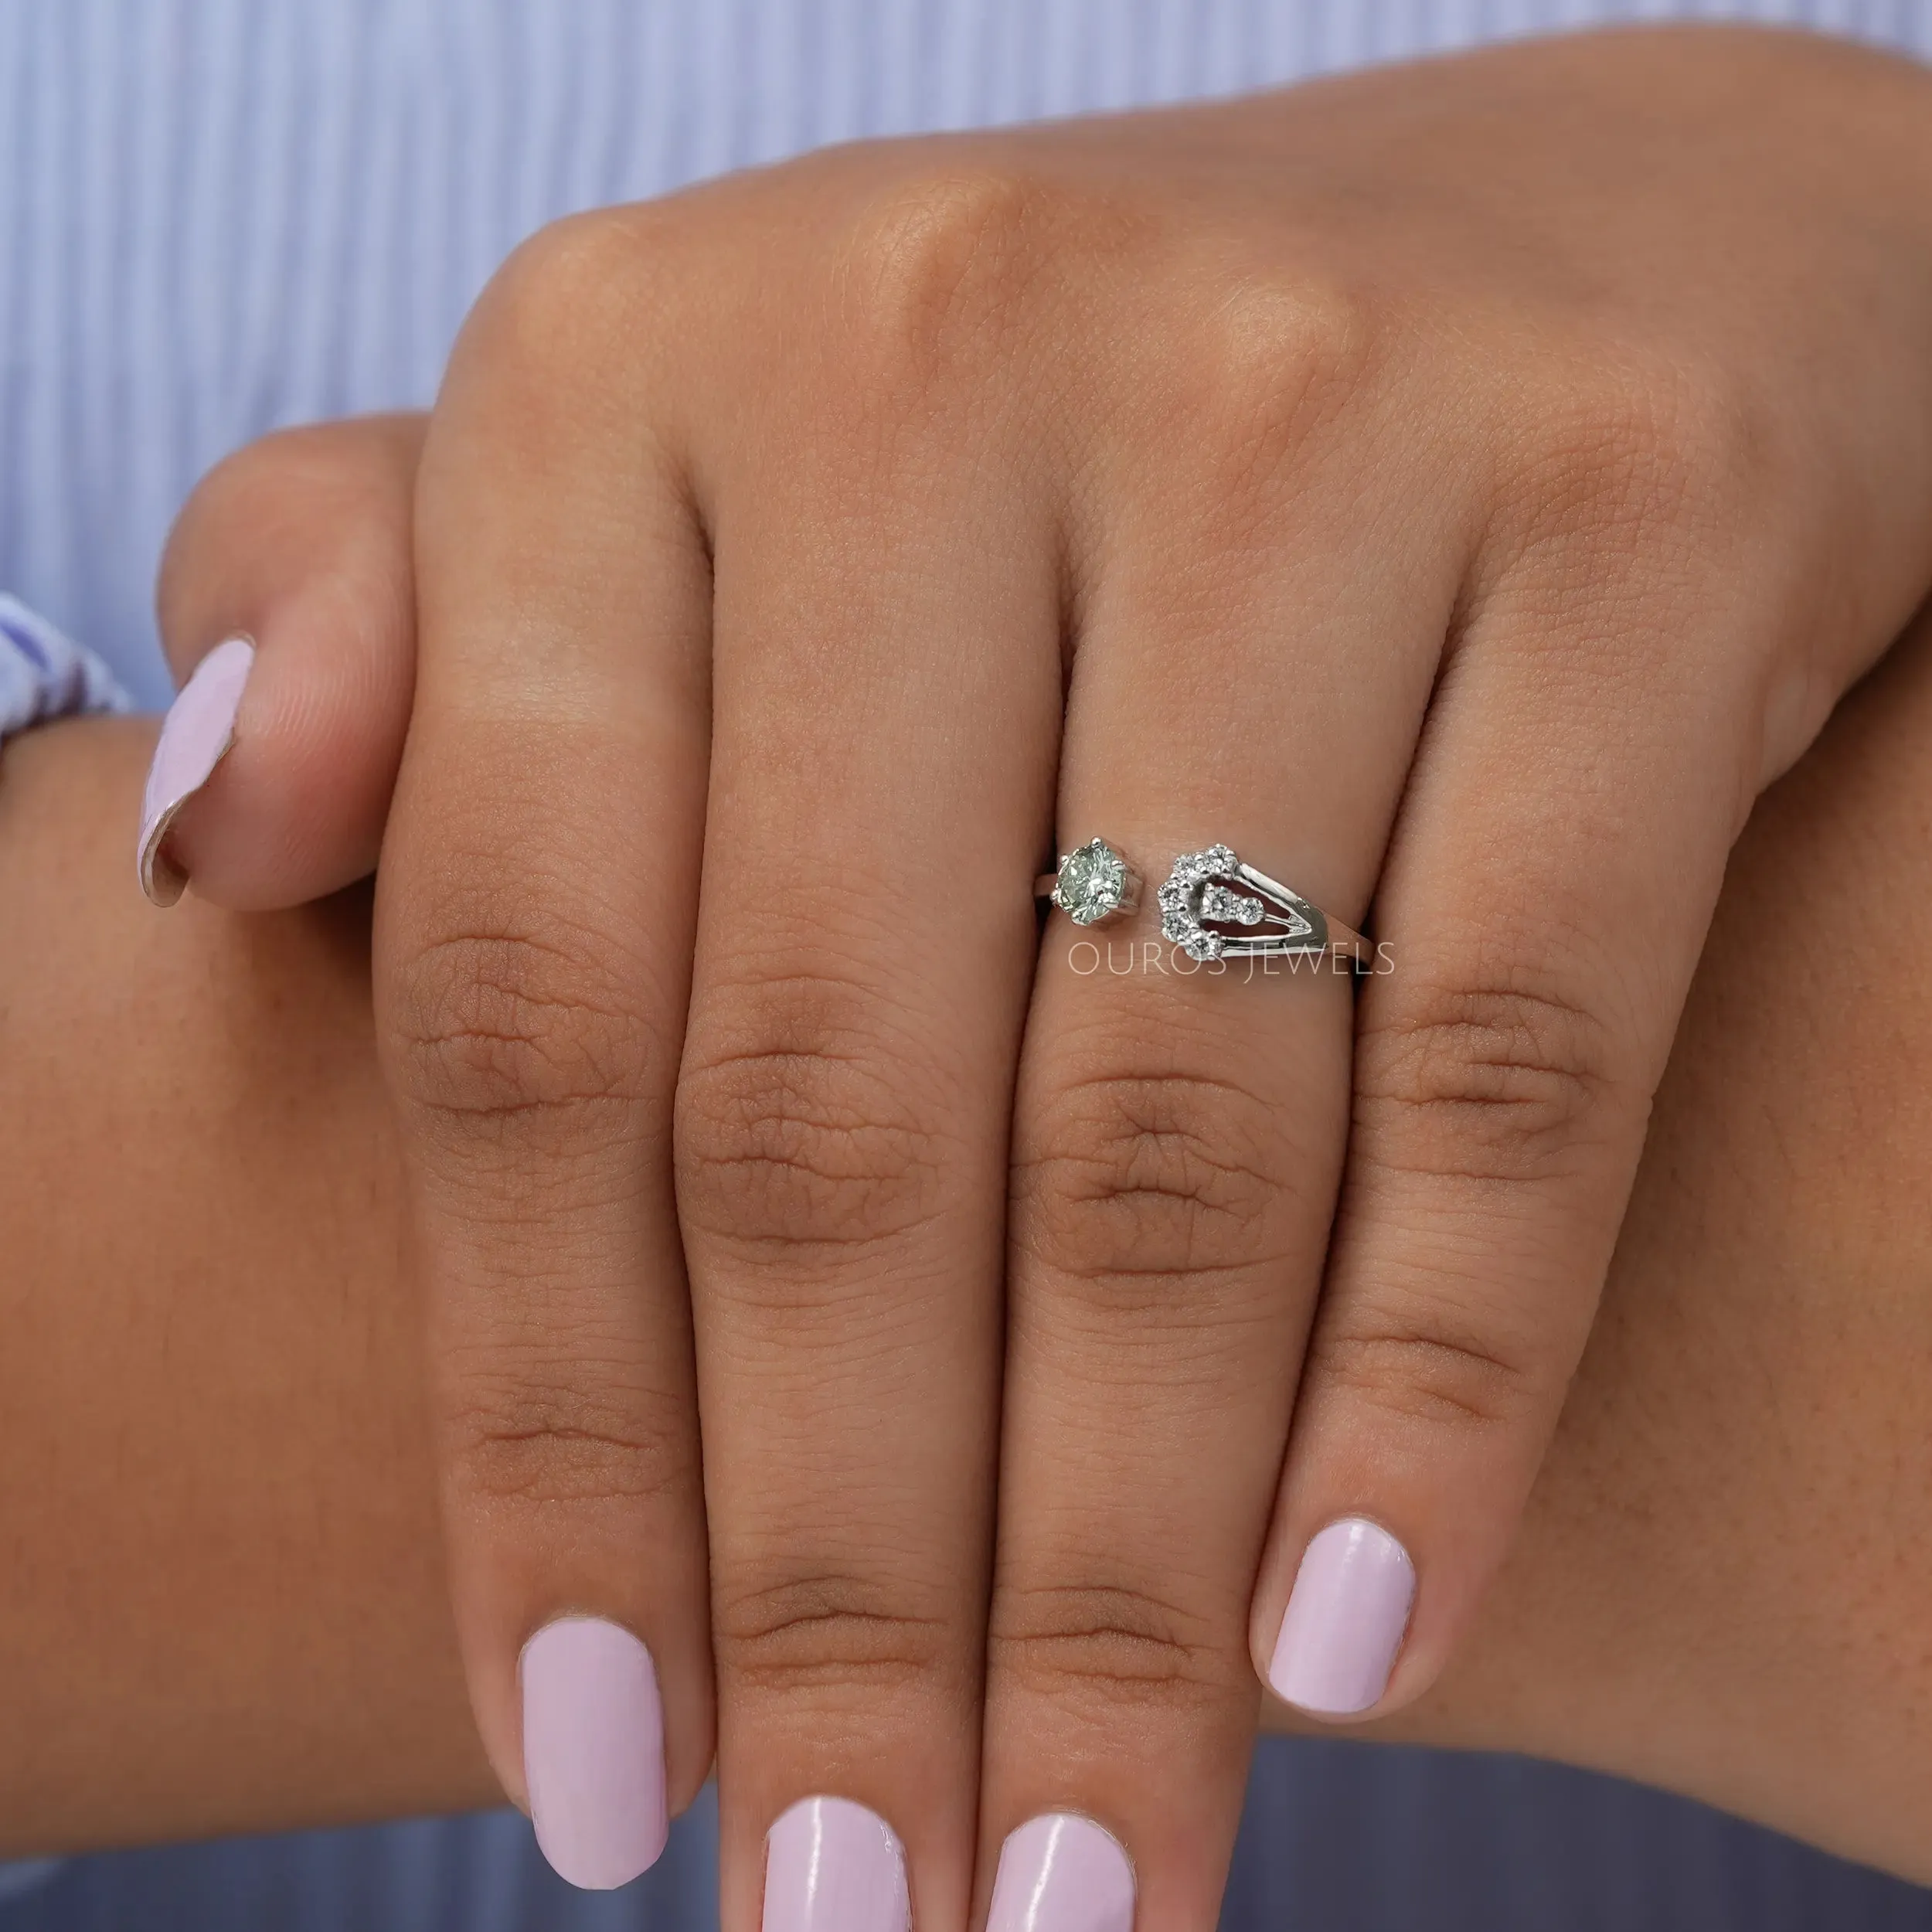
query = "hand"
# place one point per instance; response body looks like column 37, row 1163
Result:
column 1720, row 1576
column 1432, row 475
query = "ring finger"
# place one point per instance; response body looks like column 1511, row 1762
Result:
column 1178, row 1142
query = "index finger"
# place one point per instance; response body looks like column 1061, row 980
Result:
column 535, row 910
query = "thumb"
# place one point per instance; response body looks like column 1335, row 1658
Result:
column 288, row 611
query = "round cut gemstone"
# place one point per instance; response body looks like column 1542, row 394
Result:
column 1232, row 908
column 1092, row 882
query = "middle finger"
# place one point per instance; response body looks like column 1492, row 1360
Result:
column 885, row 704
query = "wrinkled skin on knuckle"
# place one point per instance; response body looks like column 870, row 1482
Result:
column 1124, row 1182
column 1491, row 1078
column 500, row 1022
column 1494, row 1111
column 1094, row 1650
column 539, row 1428
column 1424, row 1357
column 1671, row 461
column 799, row 1629
column 802, row 1124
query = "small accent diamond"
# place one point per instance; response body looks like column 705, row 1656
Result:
column 1233, row 908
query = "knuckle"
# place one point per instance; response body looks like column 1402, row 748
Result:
column 938, row 265
column 798, row 1124
column 1269, row 363
column 1638, row 445
column 1482, row 1078
column 1122, row 1176
column 577, row 293
column 831, row 1630
column 1424, row 1359
column 1092, row 1648
column 496, row 1023
column 569, row 1432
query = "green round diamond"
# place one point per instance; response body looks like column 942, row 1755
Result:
column 1092, row 882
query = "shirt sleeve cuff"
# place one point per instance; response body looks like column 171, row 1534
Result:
column 45, row 675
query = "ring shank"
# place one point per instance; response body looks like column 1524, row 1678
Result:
column 1330, row 935
column 1345, row 940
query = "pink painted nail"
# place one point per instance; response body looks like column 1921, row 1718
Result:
column 195, row 738
column 594, row 1751
column 831, row 1865
column 1345, row 1620
column 1060, row 1872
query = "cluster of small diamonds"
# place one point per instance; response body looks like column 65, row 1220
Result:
column 1188, row 896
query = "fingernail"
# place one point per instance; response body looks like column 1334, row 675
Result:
column 594, row 1751
column 1345, row 1619
column 195, row 737
column 831, row 1865
column 1060, row 1872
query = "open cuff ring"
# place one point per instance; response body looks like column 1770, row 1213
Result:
column 1212, row 906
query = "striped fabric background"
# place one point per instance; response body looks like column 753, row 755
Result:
column 218, row 217
column 222, row 215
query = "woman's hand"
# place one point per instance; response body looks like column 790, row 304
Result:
column 1721, row 1580
column 1463, row 485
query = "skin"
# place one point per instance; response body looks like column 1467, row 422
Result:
column 219, row 1505
column 1448, row 442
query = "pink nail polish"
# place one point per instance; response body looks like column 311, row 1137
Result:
column 195, row 737
column 594, row 1751
column 831, row 1865
column 1060, row 1872
column 1346, row 1617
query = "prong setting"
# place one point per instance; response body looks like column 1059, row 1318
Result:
column 1094, row 884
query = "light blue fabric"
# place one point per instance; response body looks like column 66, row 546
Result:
column 1337, row 1837
column 45, row 675
column 222, row 215
column 219, row 216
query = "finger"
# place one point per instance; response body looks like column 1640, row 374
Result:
column 1178, row 1138
column 888, row 683
column 1546, row 895
column 535, row 908
column 288, row 611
